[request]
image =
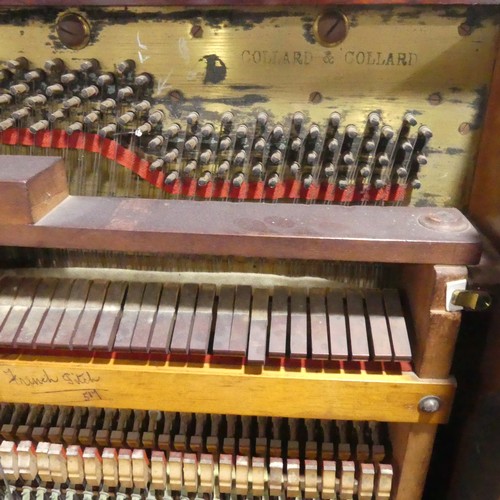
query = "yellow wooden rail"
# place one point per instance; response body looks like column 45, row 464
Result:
column 237, row 390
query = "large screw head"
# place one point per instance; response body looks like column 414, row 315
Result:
column 429, row 404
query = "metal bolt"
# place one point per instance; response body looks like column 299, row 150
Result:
column 315, row 97
column 73, row 31
column 175, row 96
column 196, row 31
column 330, row 28
column 464, row 128
column 435, row 99
column 464, row 29
column 429, row 404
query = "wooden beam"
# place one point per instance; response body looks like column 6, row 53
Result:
column 275, row 231
column 232, row 389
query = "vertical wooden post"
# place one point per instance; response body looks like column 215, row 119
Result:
column 435, row 336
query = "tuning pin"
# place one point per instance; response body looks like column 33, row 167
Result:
column 156, row 165
column 190, row 167
column 53, row 90
column 227, row 118
column 68, row 78
column 144, row 129
column 384, row 160
column 273, row 181
column 204, row 179
column 207, row 130
column 425, row 131
column 421, row 159
column 333, row 145
column 58, row 114
column 295, row 168
column 107, row 105
column 205, row 156
column 191, row 144
column 74, row 127
column 351, row 131
column 410, row 119
column 124, row 93
column 387, row 132
column 276, row 157
column 348, row 158
column 298, row 119
column 91, row 117
column 20, row 113
column 172, row 177
column 125, row 118
column 105, row 79
column 343, row 184
column 374, row 119
column 402, row 172
column 262, row 119
column 143, row 80
column 257, row 170
column 171, row 156
column 39, row 126
column 296, row 144
column 19, row 88
column 173, row 130
column 19, row 64
column 156, row 117
column 407, row 147
column 156, row 142
column 34, row 75
column 89, row 92
column 241, row 131
column 142, row 106
column 314, row 131
column 225, row 143
column 307, row 181
column 380, row 184
column 6, row 124
column 72, row 102
column 260, row 144
column 277, row 133
column 312, row 156
column 365, row 171
column 329, row 170
column 125, row 67
column 369, row 146
column 223, row 169
column 334, row 119
column 5, row 99
column 238, row 180
column 239, row 158
column 54, row 66
column 90, row 66
column 416, row 184
column 192, row 118
column 36, row 100
column 108, row 130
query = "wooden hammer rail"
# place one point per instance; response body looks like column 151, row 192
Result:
column 36, row 211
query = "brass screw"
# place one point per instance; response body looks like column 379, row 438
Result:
column 464, row 29
column 315, row 97
column 73, row 30
column 464, row 128
column 435, row 99
column 197, row 31
column 330, row 28
column 175, row 96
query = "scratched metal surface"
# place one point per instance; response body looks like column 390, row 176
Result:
column 394, row 60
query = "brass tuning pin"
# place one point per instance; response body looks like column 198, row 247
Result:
column 471, row 300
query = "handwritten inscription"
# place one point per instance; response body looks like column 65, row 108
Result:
column 91, row 395
column 44, row 378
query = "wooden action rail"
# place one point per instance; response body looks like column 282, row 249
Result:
column 36, row 211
